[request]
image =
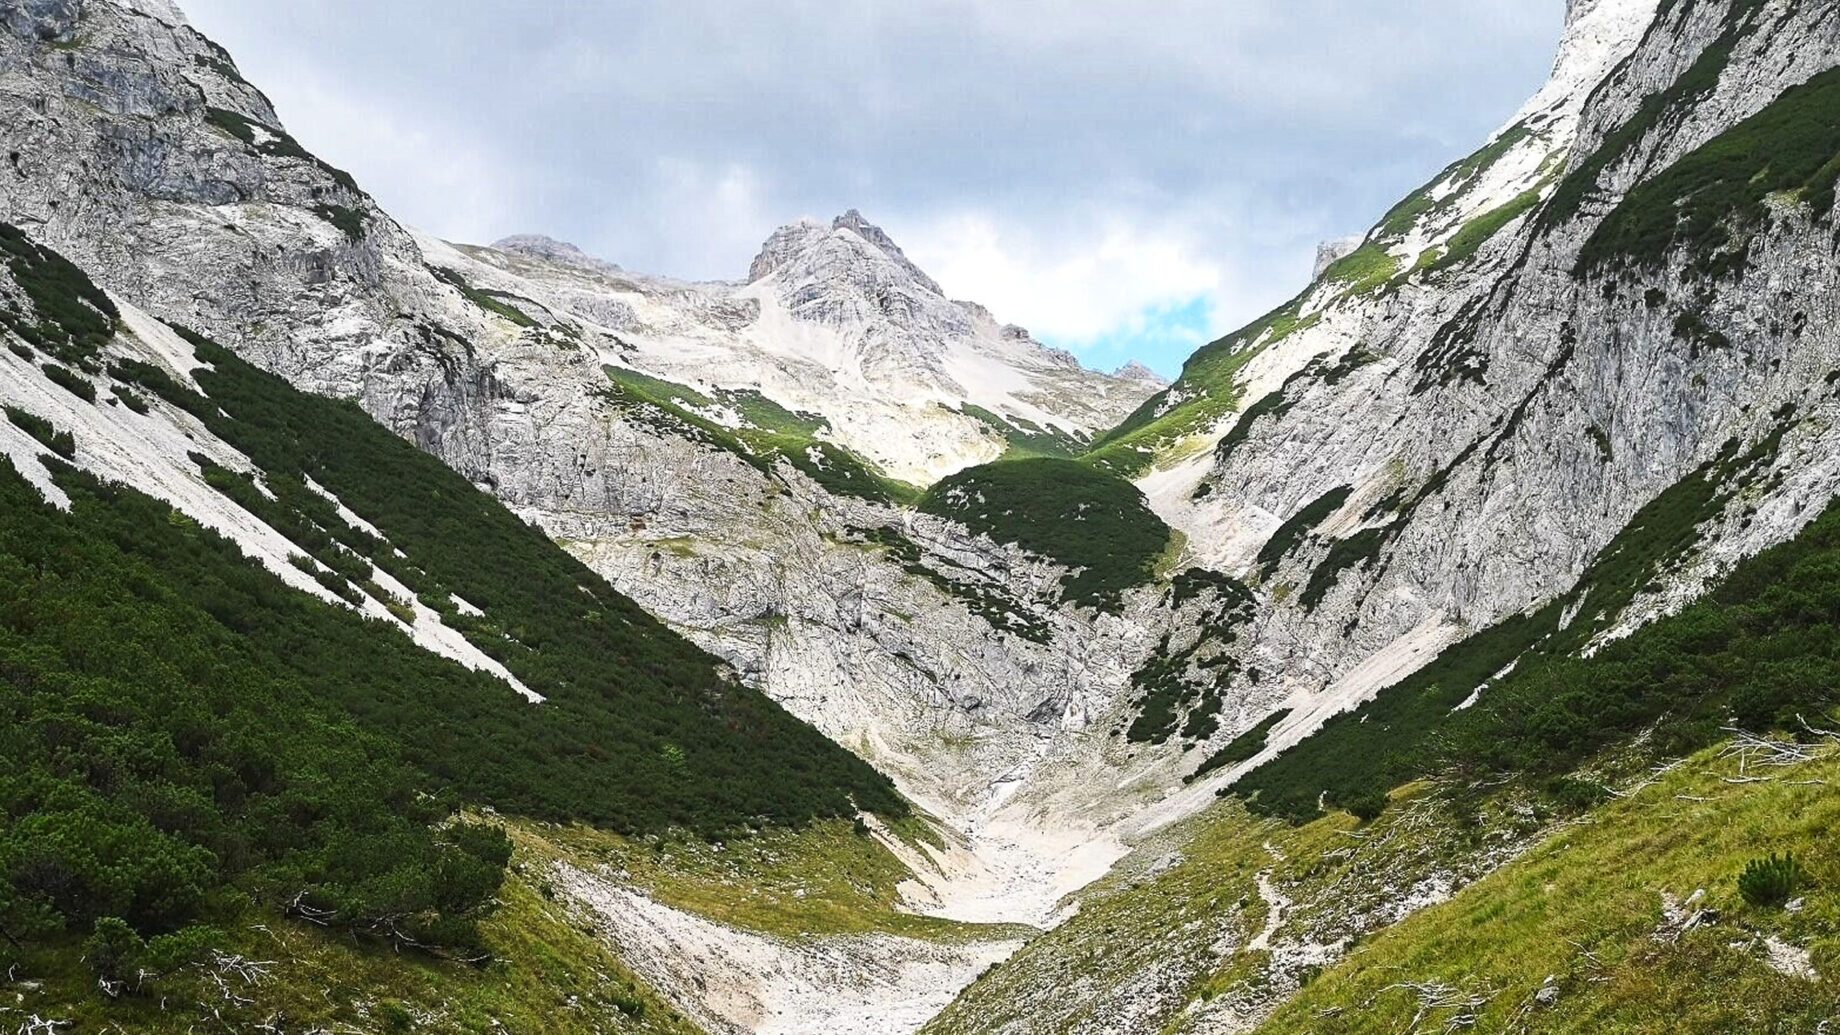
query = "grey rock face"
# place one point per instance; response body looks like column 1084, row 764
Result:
column 1329, row 253
column 44, row 20
column 1534, row 411
column 548, row 249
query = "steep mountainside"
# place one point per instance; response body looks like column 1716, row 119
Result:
column 1462, row 431
column 256, row 652
column 1462, row 472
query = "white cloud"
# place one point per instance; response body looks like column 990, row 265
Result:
column 1071, row 287
column 1077, row 165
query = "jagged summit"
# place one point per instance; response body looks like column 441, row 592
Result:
column 1137, row 371
column 809, row 247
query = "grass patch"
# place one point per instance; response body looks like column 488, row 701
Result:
column 1462, row 248
column 1024, row 439
column 1207, row 392
column 1366, row 268
column 829, row 878
column 495, row 302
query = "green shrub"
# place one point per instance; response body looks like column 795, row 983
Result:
column 70, row 381
column 1291, row 533
column 1365, row 806
column 1243, row 748
column 1769, row 882
column 59, row 442
column 1063, row 510
column 113, row 950
column 75, row 318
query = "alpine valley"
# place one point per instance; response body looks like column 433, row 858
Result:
column 401, row 635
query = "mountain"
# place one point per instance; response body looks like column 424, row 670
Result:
column 834, row 323
column 1317, row 690
column 259, row 652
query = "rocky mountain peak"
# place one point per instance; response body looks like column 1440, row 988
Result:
column 851, row 247
column 1136, row 371
column 548, row 249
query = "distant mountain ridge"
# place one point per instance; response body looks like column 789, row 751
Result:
column 835, row 319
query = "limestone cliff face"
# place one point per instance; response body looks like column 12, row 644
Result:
column 1488, row 426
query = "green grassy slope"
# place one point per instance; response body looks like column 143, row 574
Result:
column 1583, row 914
column 771, row 434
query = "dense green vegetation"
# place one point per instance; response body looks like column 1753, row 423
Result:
column 763, row 413
column 70, row 318
column 1185, row 689
column 172, row 755
column 1770, row 881
column 550, row 973
column 1709, row 203
column 70, row 381
column 1760, row 647
column 638, row 731
column 1066, row 511
column 773, row 434
column 1583, row 182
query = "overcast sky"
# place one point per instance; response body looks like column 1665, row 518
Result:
column 1128, row 179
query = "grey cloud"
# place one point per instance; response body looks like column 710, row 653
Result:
column 1261, row 123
